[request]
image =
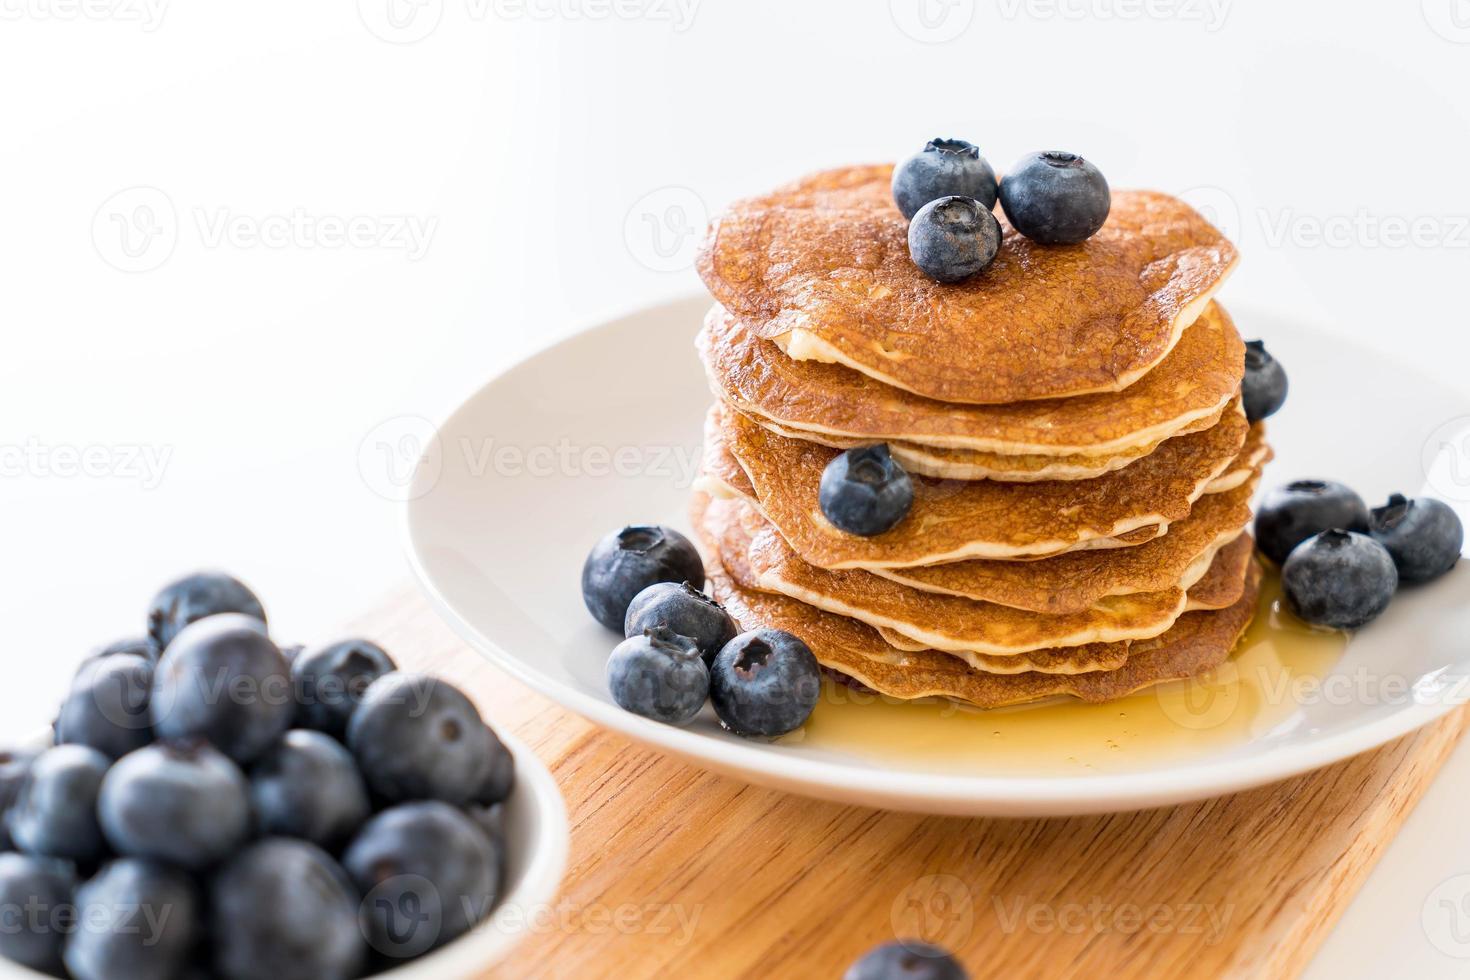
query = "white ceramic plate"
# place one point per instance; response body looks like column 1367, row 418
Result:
column 603, row 429
column 537, row 838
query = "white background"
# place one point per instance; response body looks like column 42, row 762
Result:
column 174, row 287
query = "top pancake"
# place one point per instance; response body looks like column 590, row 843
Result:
column 822, row 267
column 1192, row 385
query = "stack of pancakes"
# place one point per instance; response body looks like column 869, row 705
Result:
column 1070, row 417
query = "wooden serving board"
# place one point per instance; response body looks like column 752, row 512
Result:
column 678, row 872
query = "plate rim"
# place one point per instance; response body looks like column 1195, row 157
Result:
column 927, row 792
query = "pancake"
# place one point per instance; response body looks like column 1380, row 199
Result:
column 955, row 520
column 1199, row 641
column 1255, row 454
column 973, row 464
column 1078, row 580
column 728, row 527
column 821, row 267
column 1194, row 383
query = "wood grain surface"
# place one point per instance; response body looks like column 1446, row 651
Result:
column 678, row 872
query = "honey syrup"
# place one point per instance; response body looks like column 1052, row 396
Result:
column 1248, row 695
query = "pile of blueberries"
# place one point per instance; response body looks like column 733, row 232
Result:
column 1342, row 563
column 906, row 959
column 948, row 192
column 216, row 806
column 681, row 647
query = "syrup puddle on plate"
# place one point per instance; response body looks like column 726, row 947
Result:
column 1247, row 696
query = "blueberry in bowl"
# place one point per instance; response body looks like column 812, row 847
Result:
column 195, row 597
column 1339, row 579
column 417, row 737
column 865, row 491
column 626, row 562
column 953, row 238
column 1292, row 513
column 107, row 707
column 660, row 675
column 685, row 610
column 125, row 893
column 329, row 682
column 764, row 684
column 55, row 808
column 1263, row 388
column 28, row 881
column 906, row 959
column 1423, row 536
column 1055, row 198
column 943, row 168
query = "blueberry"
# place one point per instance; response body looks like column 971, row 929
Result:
column 183, row 802
column 222, row 679
column 1055, row 198
column 943, row 168
column 107, row 707
column 499, row 777
column 428, row 873
column 194, row 597
column 419, row 738
column 685, row 610
column 55, row 811
column 626, row 562
column 36, row 897
column 1263, row 389
column 284, row 910
column 329, row 682
column 952, row 238
column 906, row 959
column 307, row 785
column 764, row 683
column 141, row 646
column 865, row 491
column 139, row 921
column 1340, row 579
column 1292, row 513
column 660, row 675
column 14, row 764
column 1423, row 536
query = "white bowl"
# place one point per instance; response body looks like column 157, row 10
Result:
column 536, row 837
column 525, row 476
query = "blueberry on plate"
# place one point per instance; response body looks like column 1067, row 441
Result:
column 865, row 491
column 329, row 682
column 1340, row 579
column 428, row 858
column 1263, row 389
column 660, row 675
column 499, row 778
column 14, row 764
column 182, row 801
column 418, row 738
column 140, row 921
column 1055, row 198
column 222, row 679
column 55, row 811
column 107, row 707
column 32, row 890
column 307, row 786
column 194, row 597
column 764, row 683
column 1423, row 536
column 1292, row 513
column 284, row 910
column 906, row 959
column 685, row 610
column 626, row 562
column 952, row 238
column 943, row 168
